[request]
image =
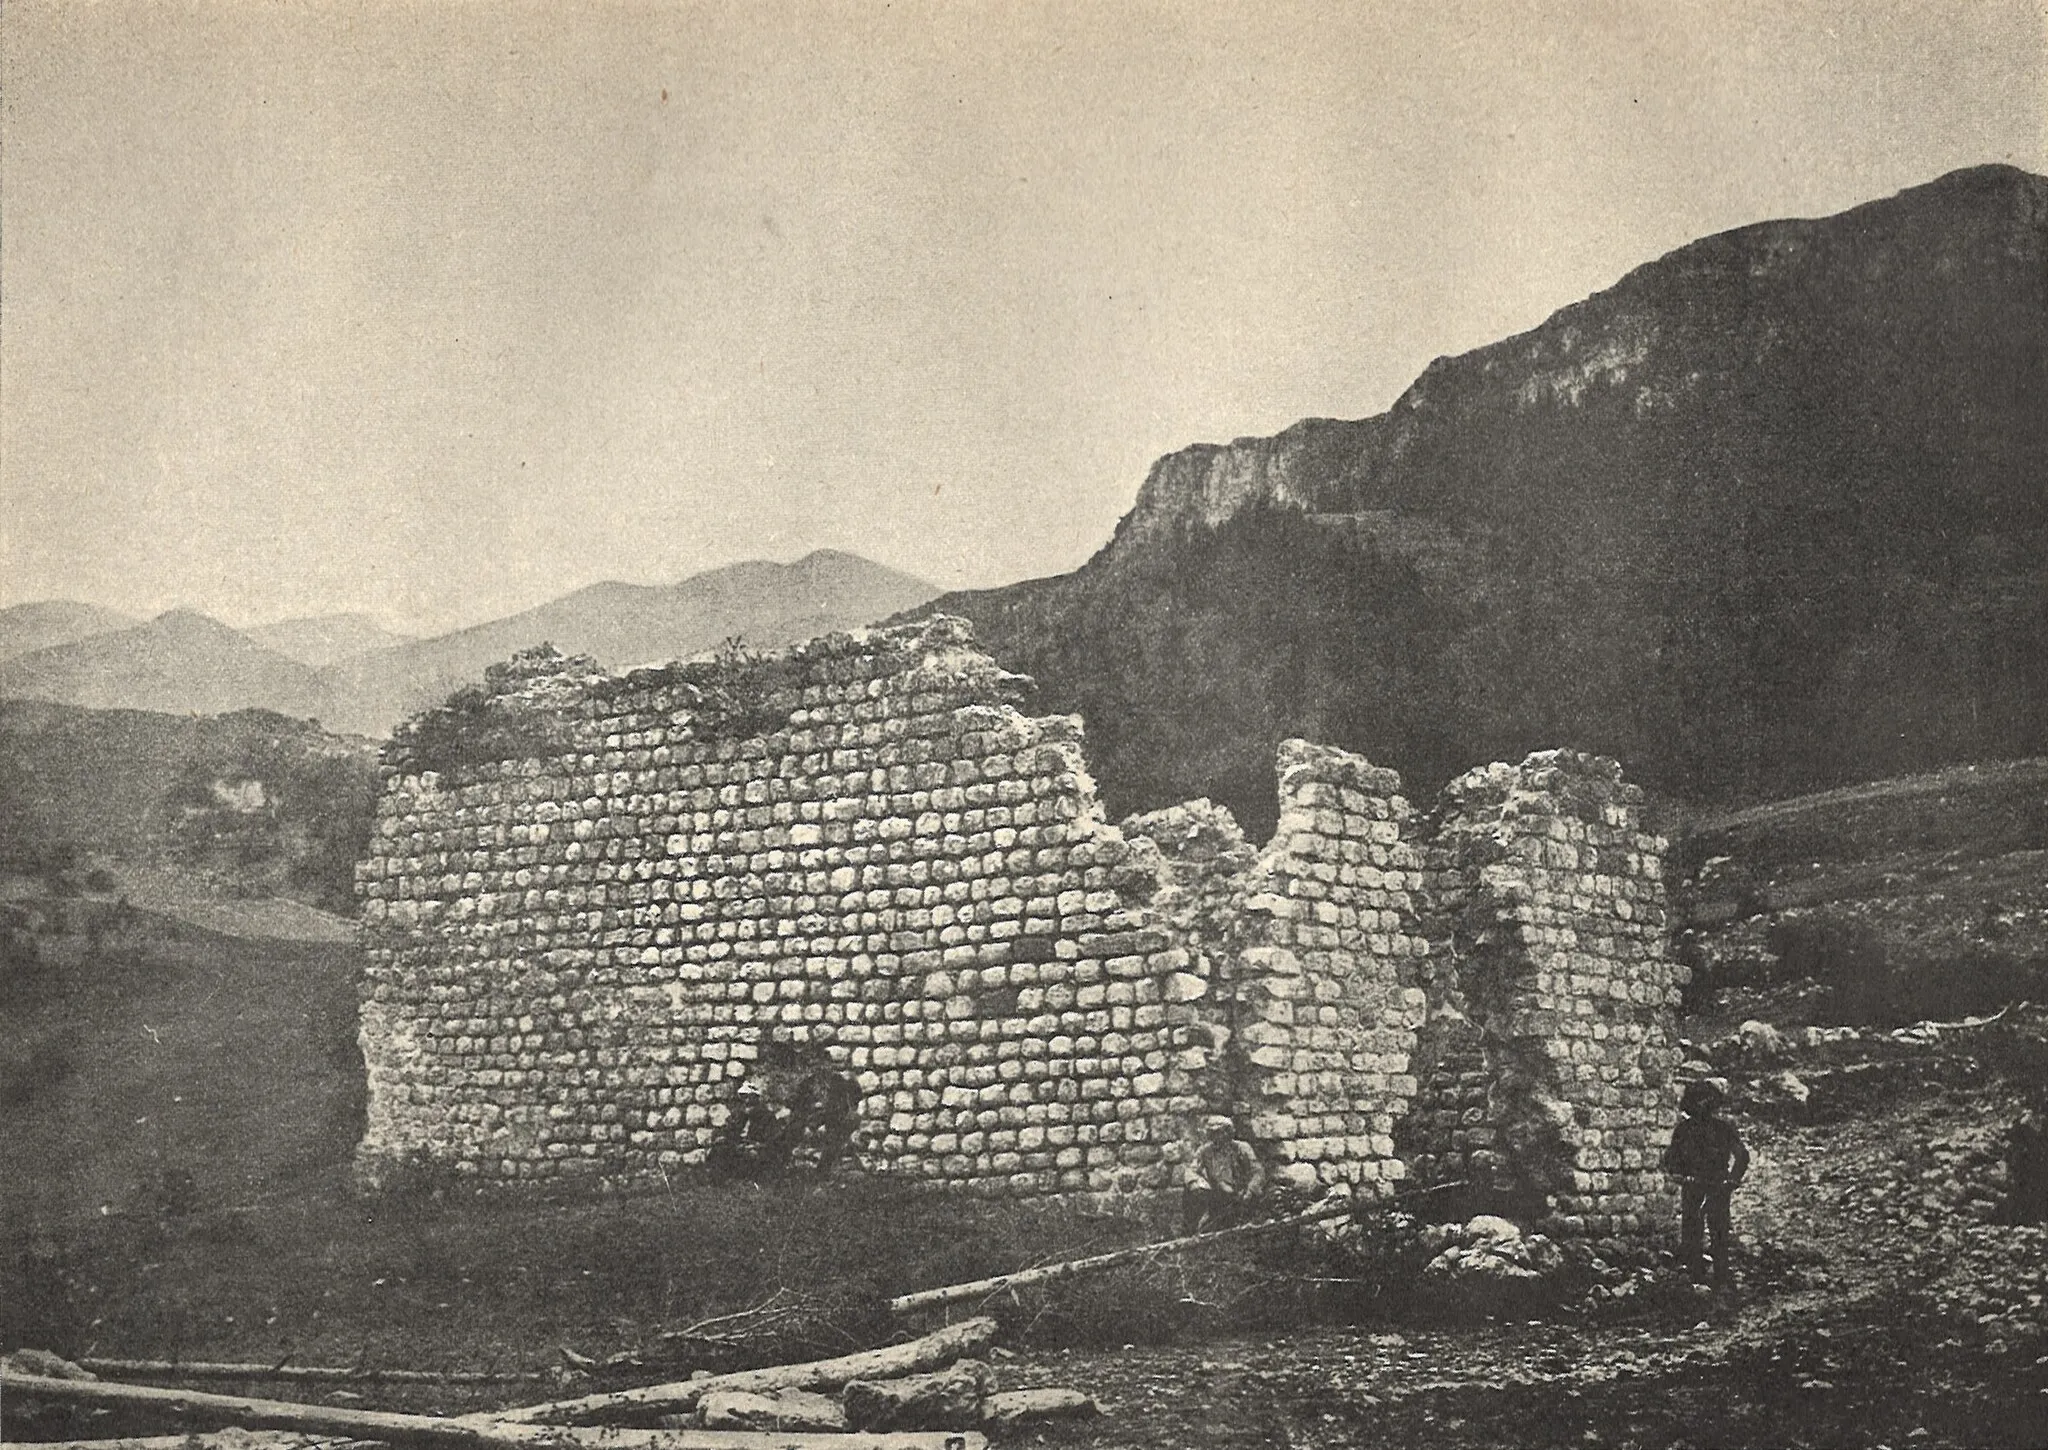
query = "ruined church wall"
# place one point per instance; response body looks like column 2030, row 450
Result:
column 862, row 851
column 572, row 956
column 1551, row 908
column 1324, row 979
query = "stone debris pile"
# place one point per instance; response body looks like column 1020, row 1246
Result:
column 1489, row 1252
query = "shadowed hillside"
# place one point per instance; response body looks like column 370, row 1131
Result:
column 1768, row 515
column 264, row 803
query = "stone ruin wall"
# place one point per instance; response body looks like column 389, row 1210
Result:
column 572, row 953
column 1551, row 1058
column 571, row 957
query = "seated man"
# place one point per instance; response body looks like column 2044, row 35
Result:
column 750, row 1142
column 1223, row 1179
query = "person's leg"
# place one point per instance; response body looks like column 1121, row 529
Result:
column 1203, row 1209
column 1691, row 1215
column 1717, row 1226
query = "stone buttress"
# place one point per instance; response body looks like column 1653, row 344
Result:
column 1556, row 992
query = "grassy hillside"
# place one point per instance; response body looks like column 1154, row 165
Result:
column 144, row 1057
column 262, row 803
column 1921, row 897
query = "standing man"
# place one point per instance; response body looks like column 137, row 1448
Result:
column 1223, row 1179
column 1708, row 1159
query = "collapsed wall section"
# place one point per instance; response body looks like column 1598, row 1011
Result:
column 859, row 849
column 1553, row 920
column 1312, row 946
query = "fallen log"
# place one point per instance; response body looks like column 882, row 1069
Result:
column 932, row 1351
column 214, row 1370
column 438, row 1434
column 1023, row 1278
column 218, row 1440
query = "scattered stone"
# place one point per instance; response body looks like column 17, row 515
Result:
column 1489, row 1250
column 947, row 1400
column 1784, row 1087
column 1489, row 1229
column 1760, row 1041
column 1021, row 1407
column 786, row 1410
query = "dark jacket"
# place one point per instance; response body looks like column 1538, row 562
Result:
column 1708, row 1151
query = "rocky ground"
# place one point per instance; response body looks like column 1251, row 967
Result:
column 1883, row 1297
column 1881, row 1301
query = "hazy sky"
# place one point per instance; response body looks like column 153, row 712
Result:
column 438, row 310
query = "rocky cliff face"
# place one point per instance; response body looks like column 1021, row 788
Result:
column 1771, row 513
column 1207, row 484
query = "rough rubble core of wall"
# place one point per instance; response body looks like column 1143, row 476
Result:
column 1553, row 903
column 1448, row 1122
column 571, row 957
column 1312, row 944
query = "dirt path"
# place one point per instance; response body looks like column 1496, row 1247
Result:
column 1818, row 1344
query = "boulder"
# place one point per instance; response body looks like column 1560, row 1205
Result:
column 784, row 1410
column 1023, row 1407
column 947, row 1400
column 1786, row 1087
column 1489, row 1228
column 42, row 1362
column 1761, row 1042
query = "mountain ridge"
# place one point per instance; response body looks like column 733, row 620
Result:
column 763, row 602
column 181, row 662
column 320, row 640
column 46, row 623
column 1768, row 509
column 185, row 662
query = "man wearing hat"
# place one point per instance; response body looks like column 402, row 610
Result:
column 1708, row 1159
column 750, row 1141
column 1223, row 1179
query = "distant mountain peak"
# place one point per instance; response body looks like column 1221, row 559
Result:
column 43, row 624
column 764, row 603
column 180, row 662
column 324, row 639
column 193, row 621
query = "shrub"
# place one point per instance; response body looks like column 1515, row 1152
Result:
column 736, row 694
